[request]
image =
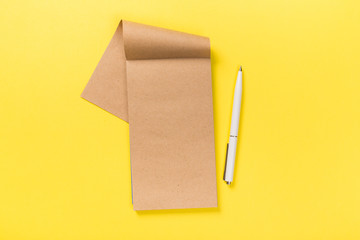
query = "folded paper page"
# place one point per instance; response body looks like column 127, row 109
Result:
column 159, row 81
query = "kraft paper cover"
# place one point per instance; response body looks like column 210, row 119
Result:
column 159, row 81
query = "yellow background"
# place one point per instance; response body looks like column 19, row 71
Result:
column 64, row 163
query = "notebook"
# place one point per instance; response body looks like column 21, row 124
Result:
column 159, row 81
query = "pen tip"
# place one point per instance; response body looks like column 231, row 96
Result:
column 240, row 69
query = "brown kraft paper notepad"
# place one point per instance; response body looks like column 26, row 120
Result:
column 159, row 81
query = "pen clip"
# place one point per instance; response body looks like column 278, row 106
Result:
column 227, row 149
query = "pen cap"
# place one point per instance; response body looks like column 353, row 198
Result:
column 235, row 117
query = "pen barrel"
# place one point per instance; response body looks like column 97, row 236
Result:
column 230, row 160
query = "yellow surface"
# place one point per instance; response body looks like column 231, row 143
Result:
column 64, row 163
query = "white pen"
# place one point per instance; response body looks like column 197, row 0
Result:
column 234, row 128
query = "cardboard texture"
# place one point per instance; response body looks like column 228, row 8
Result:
column 159, row 81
